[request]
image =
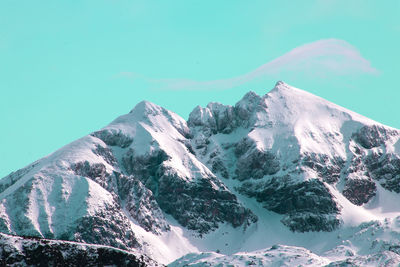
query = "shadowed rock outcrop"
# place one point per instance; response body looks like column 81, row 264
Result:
column 359, row 191
column 307, row 206
column 198, row 205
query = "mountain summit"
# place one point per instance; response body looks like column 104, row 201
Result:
column 286, row 168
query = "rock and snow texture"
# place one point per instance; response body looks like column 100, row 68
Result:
column 18, row 251
column 283, row 168
column 368, row 244
column 285, row 256
column 274, row 256
column 293, row 151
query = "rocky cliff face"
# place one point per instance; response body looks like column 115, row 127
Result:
column 288, row 144
column 150, row 179
column 19, row 251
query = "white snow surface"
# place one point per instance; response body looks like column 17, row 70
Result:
column 292, row 122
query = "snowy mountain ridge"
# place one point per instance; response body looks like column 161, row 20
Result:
column 285, row 168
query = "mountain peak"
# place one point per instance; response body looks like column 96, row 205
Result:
column 287, row 90
column 250, row 96
column 248, row 104
column 279, row 83
column 281, row 86
column 302, row 104
column 146, row 107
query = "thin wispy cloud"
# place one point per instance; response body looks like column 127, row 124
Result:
column 320, row 59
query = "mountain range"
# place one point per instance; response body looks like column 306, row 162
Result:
column 282, row 179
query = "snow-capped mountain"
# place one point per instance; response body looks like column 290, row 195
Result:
column 287, row 172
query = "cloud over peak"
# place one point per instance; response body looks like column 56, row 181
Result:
column 320, row 59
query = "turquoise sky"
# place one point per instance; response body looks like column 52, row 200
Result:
column 68, row 68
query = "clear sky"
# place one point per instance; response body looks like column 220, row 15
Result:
column 68, row 68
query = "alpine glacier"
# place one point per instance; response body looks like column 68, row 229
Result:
column 287, row 178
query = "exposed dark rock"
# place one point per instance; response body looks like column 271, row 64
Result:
column 254, row 163
column 198, row 206
column 310, row 222
column 356, row 165
column 392, row 184
column 215, row 118
column 202, row 117
column 284, row 196
column 106, row 154
column 190, row 148
column 243, row 146
column 28, row 251
column 145, row 167
column 92, row 171
column 108, row 226
column 217, row 166
column 328, row 168
column 246, row 107
column 113, row 137
column 224, row 117
column 188, row 145
column 359, row 191
column 372, row 136
column 385, row 169
column 201, row 142
column 141, row 204
column 219, row 118
column 96, row 172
